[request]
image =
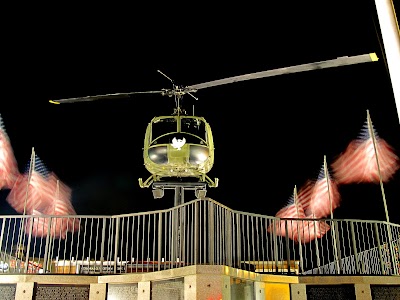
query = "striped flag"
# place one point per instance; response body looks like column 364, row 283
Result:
column 358, row 163
column 31, row 193
column 292, row 210
column 59, row 210
column 313, row 229
column 314, row 196
column 61, row 206
column 325, row 196
column 304, row 194
column 41, row 225
column 37, row 225
column 61, row 197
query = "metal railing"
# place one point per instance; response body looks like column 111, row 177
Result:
column 199, row 232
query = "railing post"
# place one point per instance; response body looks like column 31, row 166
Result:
column 103, row 239
column 238, row 240
column 392, row 252
column 300, row 242
column 317, row 246
column 228, row 237
column 182, row 234
column 46, row 248
column 196, row 233
column 247, row 241
column 335, row 246
column 379, row 248
column 3, row 224
column 211, row 230
column 159, row 248
column 339, row 252
column 287, row 244
column 116, row 244
column 353, row 239
column 275, row 237
column 28, row 245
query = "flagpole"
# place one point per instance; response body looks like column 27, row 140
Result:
column 326, row 174
column 373, row 137
column 31, row 167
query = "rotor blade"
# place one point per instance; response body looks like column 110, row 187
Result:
column 98, row 97
column 340, row 61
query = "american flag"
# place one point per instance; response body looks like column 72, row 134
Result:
column 41, row 194
column 61, row 206
column 40, row 225
column 36, row 225
column 314, row 196
column 359, row 162
column 304, row 194
column 293, row 210
column 8, row 164
column 324, row 197
column 31, row 192
column 312, row 229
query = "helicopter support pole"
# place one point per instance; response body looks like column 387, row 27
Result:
column 177, row 222
column 178, row 213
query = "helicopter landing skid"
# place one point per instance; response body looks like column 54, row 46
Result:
column 199, row 189
column 153, row 179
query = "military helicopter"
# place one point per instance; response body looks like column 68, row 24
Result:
column 181, row 145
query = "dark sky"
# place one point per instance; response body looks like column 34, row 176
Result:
column 270, row 134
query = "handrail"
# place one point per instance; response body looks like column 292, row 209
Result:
column 201, row 231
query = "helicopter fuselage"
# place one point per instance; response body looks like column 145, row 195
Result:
column 178, row 146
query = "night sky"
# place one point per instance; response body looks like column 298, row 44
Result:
column 270, row 134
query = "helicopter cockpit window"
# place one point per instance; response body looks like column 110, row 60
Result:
column 162, row 127
column 191, row 128
column 195, row 127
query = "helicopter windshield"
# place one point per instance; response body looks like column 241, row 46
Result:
column 163, row 126
column 194, row 126
column 192, row 129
